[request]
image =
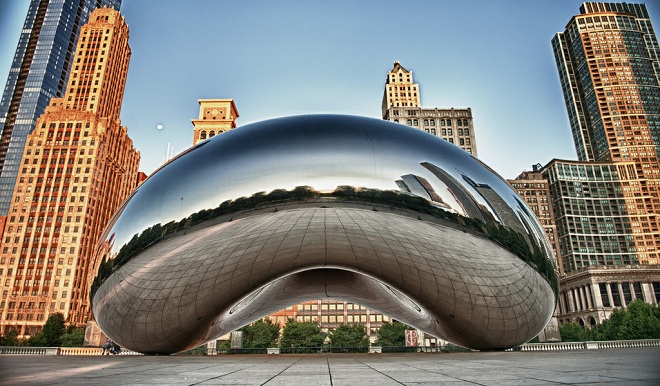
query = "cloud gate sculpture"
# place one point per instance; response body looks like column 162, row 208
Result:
column 323, row 206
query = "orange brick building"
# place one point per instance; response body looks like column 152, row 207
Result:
column 77, row 167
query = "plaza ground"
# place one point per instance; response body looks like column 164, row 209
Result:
column 639, row 366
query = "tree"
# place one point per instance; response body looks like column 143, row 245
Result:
column 74, row 337
column 51, row 335
column 392, row 334
column 10, row 339
column 573, row 332
column 301, row 334
column 261, row 334
column 639, row 320
column 349, row 335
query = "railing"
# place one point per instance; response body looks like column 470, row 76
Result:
column 555, row 346
column 302, row 350
column 590, row 345
column 242, row 350
column 87, row 351
column 92, row 351
column 27, row 350
column 80, row 351
column 629, row 343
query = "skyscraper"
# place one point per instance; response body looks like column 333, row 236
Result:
column 608, row 67
column 607, row 204
column 39, row 72
column 77, row 167
column 401, row 104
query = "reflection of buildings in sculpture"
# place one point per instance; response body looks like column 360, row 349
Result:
column 79, row 166
column 215, row 116
column 505, row 213
column 535, row 191
column 401, row 104
column 421, row 187
column 471, row 208
column 329, row 314
column 40, row 70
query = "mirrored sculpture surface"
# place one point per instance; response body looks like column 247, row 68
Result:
column 323, row 206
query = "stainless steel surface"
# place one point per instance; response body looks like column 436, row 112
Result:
column 298, row 208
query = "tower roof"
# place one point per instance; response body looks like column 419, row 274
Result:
column 398, row 66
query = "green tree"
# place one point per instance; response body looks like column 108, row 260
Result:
column 301, row 334
column 51, row 335
column 74, row 337
column 392, row 334
column 639, row 320
column 349, row 335
column 10, row 339
column 261, row 334
column 573, row 332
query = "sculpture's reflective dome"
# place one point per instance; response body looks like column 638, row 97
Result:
column 292, row 209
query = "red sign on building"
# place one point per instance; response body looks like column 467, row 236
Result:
column 411, row 337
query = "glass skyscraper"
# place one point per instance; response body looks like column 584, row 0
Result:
column 39, row 72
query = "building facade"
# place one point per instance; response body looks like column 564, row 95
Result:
column 330, row 314
column 215, row 116
column 401, row 104
column 607, row 60
column 77, row 167
column 599, row 254
column 607, row 204
column 535, row 191
column 39, row 72
column 590, row 295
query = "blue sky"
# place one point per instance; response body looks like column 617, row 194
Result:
column 279, row 58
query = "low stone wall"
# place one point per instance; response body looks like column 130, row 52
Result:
column 591, row 345
column 18, row 350
column 557, row 346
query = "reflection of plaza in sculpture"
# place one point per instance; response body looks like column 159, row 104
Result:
column 327, row 206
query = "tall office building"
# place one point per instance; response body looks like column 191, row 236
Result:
column 607, row 204
column 607, row 60
column 39, row 72
column 77, row 167
column 401, row 104
column 215, row 116
column 599, row 252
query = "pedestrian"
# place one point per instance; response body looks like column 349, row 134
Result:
column 106, row 347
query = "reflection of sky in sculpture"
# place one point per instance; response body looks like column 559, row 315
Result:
column 321, row 151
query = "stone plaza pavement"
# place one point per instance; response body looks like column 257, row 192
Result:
column 639, row 366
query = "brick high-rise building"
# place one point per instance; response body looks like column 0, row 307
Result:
column 535, row 191
column 39, row 72
column 401, row 104
column 77, row 167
